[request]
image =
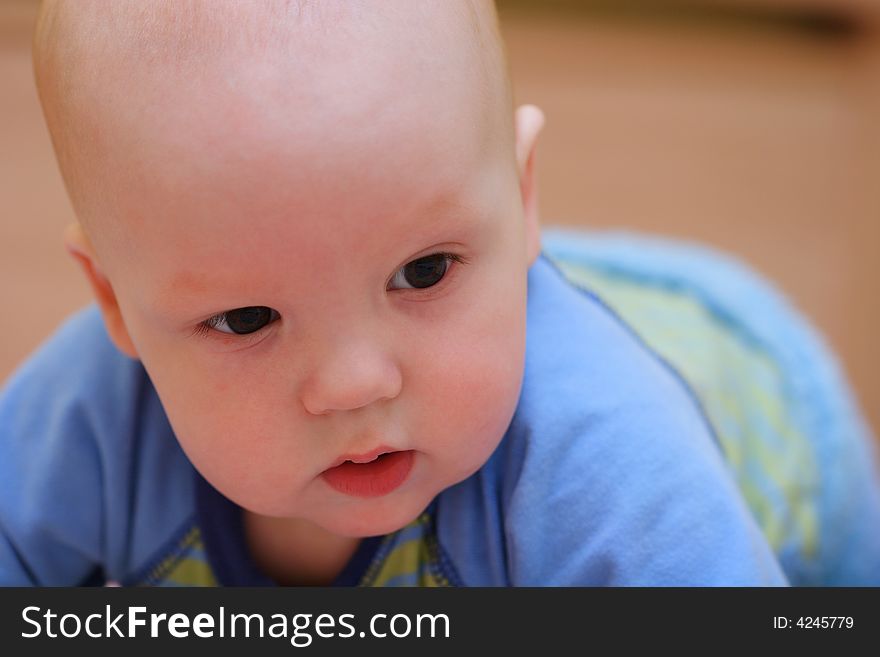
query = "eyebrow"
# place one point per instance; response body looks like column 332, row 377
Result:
column 185, row 285
column 179, row 292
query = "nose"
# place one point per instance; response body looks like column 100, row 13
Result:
column 353, row 376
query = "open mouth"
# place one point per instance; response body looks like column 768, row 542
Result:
column 370, row 475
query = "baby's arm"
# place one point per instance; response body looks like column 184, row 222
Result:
column 50, row 476
column 622, row 481
column 639, row 499
column 780, row 404
column 91, row 479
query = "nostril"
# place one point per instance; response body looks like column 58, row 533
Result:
column 351, row 379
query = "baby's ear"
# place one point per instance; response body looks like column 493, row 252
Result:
column 529, row 122
column 80, row 248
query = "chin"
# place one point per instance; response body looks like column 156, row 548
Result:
column 363, row 528
column 378, row 521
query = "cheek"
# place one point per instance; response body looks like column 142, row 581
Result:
column 472, row 375
column 224, row 421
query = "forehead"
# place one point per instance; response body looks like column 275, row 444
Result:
column 251, row 158
column 354, row 137
column 255, row 187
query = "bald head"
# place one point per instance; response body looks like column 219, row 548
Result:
column 125, row 84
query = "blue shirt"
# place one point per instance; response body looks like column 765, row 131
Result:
column 609, row 474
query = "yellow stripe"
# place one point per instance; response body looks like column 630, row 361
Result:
column 417, row 556
column 180, row 568
column 191, row 572
column 403, row 560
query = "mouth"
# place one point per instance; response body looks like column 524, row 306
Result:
column 366, row 457
column 373, row 474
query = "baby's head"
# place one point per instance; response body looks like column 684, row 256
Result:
column 312, row 223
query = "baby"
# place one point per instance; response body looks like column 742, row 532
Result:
column 312, row 234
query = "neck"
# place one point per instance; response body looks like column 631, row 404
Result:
column 296, row 552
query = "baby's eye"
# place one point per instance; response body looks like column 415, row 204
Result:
column 422, row 272
column 243, row 320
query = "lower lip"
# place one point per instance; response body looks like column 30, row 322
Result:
column 372, row 479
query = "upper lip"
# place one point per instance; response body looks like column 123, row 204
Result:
column 364, row 457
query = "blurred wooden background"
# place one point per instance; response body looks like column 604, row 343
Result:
column 751, row 125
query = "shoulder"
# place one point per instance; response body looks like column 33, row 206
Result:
column 588, row 373
column 82, row 436
column 790, row 427
column 75, row 379
column 609, row 472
